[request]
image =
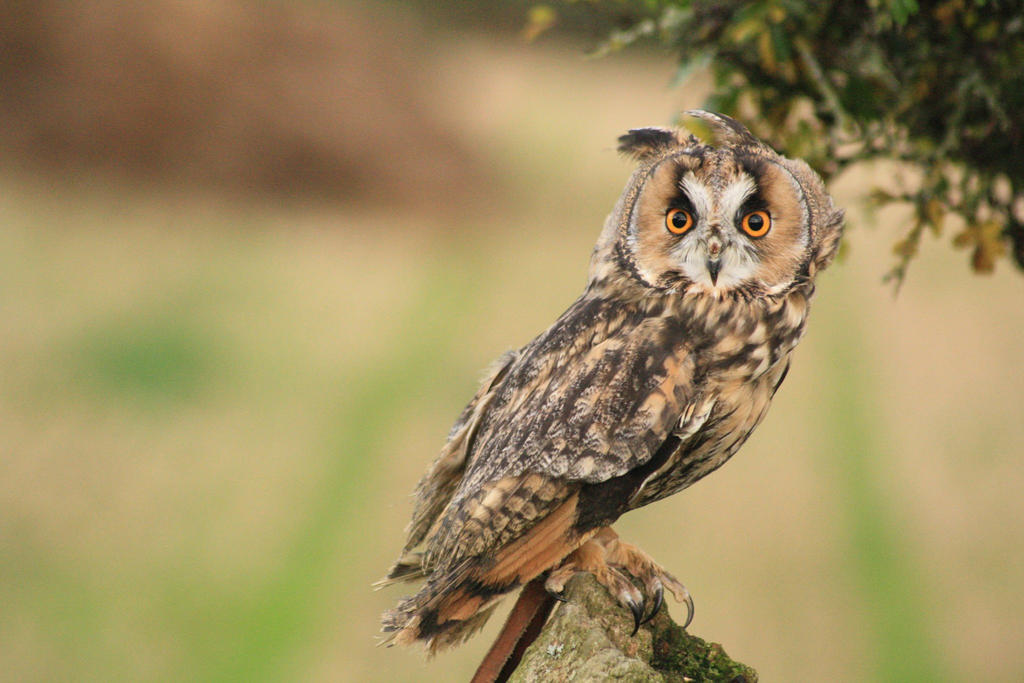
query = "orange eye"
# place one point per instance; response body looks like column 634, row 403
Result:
column 756, row 223
column 678, row 221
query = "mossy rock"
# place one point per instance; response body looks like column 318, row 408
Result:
column 588, row 639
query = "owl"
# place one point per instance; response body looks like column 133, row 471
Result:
column 697, row 294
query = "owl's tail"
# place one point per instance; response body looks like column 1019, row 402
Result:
column 456, row 600
column 447, row 610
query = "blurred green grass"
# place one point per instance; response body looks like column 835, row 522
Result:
column 213, row 415
column 882, row 571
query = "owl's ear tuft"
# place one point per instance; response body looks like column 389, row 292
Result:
column 644, row 143
column 724, row 129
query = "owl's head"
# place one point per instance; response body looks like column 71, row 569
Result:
column 729, row 217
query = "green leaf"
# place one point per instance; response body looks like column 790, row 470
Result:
column 901, row 10
column 539, row 19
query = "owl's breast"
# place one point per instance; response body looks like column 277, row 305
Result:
column 740, row 364
column 737, row 406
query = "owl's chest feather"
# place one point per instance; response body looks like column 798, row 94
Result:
column 740, row 364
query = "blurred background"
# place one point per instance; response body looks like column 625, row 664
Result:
column 253, row 259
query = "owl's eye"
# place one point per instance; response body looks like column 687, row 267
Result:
column 756, row 223
column 678, row 221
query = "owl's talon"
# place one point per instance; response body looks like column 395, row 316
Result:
column 610, row 561
column 555, row 583
column 638, row 614
column 689, row 611
column 658, row 591
column 624, row 591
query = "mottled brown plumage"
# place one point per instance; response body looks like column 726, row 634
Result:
column 698, row 292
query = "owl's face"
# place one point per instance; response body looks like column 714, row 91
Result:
column 716, row 219
column 736, row 217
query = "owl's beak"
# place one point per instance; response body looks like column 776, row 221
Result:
column 714, row 255
column 714, row 265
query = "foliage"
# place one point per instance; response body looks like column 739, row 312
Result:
column 937, row 86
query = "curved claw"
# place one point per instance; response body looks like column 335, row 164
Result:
column 659, row 600
column 638, row 613
column 555, row 583
column 689, row 610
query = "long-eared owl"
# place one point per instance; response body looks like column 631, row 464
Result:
column 698, row 292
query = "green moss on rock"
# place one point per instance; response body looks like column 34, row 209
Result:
column 682, row 657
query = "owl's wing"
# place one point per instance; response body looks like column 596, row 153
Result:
column 589, row 414
column 595, row 399
column 567, row 415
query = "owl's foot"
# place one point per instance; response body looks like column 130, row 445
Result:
column 610, row 559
